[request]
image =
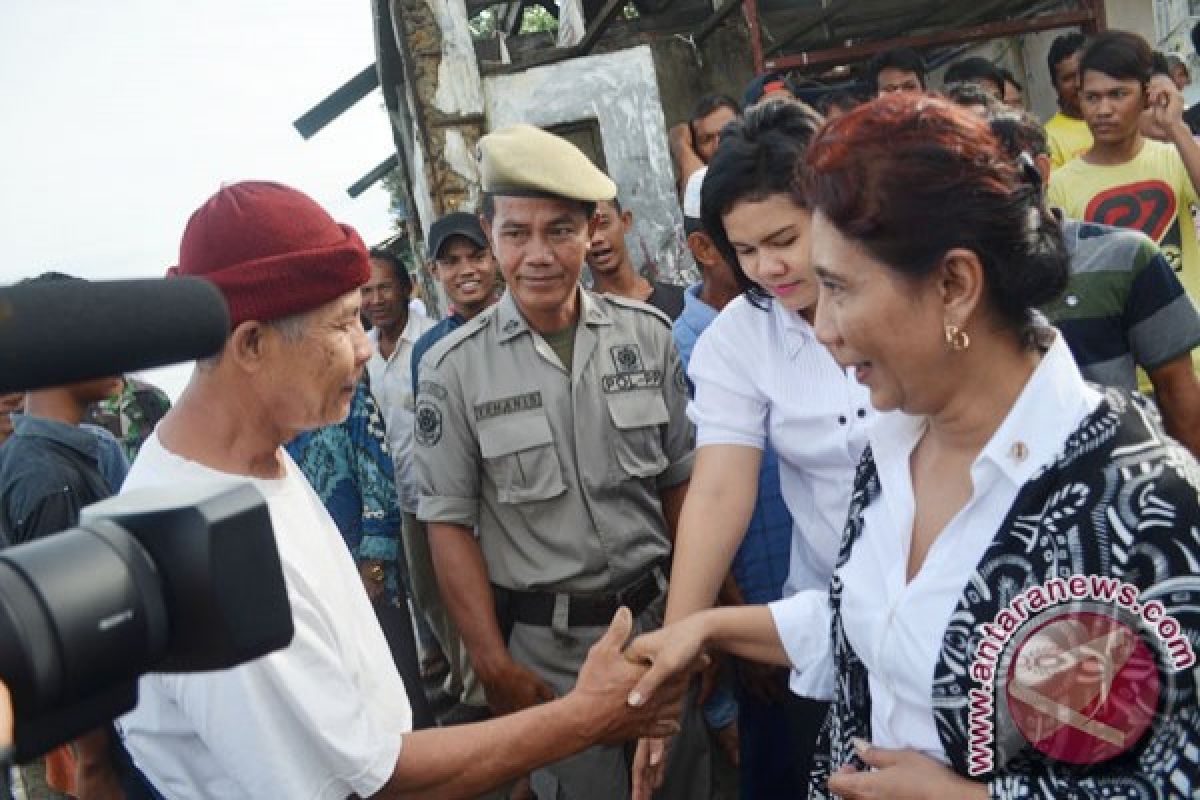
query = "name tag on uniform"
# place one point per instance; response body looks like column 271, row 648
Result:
column 508, row 405
column 629, row 381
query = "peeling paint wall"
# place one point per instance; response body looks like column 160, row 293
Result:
column 447, row 100
column 620, row 91
column 458, row 88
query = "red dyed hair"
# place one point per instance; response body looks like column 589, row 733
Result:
column 910, row 177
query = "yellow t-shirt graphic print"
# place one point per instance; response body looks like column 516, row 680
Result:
column 1151, row 193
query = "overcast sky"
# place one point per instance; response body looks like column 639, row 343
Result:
column 122, row 116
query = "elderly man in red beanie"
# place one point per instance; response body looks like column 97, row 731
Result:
column 327, row 716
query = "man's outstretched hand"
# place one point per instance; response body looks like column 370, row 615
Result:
column 609, row 676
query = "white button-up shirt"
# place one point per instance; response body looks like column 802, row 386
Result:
column 391, row 383
column 897, row 626
column 761, row 375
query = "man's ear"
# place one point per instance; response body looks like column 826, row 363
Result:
column 626, row 220
column 248, row 344
column 702, row 247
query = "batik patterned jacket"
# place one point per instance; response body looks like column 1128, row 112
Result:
column 1120, row 500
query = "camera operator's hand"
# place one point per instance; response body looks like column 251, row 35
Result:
column 509, row 686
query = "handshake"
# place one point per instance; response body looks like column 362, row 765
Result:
column 626, row 691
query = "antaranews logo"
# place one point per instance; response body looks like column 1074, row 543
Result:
column 1075, row 667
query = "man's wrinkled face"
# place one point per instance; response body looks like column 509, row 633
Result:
column 540, row 244
column 312, row 377
column 385, row 297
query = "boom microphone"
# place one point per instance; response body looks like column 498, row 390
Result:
column 54, row 333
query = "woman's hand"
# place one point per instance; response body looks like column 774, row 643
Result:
column 669, row 652
column 674, row 650
column 902, row 775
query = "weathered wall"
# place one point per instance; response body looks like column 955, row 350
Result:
column 620, row 91
column 721, row 63
column 447, row 100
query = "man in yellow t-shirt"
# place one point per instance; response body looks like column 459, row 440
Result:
column 1125, row 179
column 1066, row 132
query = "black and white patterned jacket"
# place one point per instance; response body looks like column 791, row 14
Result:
column 1120, row 500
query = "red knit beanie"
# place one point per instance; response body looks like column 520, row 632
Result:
column 272, row 251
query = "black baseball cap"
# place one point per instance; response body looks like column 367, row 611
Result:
column 457, row 223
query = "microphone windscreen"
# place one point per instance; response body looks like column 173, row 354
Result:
column 54, row 333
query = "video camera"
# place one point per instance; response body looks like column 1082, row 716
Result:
column 180, row 580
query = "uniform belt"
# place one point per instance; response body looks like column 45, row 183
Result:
column 585, row 610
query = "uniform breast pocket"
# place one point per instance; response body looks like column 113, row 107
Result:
column 519, row 456
column 638, row 417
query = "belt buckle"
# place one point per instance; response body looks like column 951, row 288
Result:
column 624, row 595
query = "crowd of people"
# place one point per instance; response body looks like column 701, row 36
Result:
column 822, row 515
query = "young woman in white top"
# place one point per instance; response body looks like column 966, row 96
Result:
column 761, row 377
column 960, row 666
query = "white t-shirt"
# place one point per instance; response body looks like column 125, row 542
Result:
column 761, row 375
column 320, row 719
column 391, row 384
column 897, row 626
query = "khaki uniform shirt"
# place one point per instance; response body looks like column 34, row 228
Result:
column 559, row 474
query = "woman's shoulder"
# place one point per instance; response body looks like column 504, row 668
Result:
column 743, row 321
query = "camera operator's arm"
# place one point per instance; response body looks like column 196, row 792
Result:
column 465, row 761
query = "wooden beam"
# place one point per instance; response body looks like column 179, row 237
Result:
column 1099, row 21
column 598, row 26
column 374, row 176
column 993, row 30
column 341, row 99
column 750, row 8
column 556, row 54
column 718, row 16
column 803, row 26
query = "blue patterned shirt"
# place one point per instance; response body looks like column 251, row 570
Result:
column 349, row 468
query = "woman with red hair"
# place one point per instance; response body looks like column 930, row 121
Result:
column 1016, row 597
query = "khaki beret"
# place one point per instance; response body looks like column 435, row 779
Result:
column 525, row 160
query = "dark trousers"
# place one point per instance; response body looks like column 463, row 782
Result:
column 397, row 627
column 776, row 743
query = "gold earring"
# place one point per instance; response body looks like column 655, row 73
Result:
column 957, row 338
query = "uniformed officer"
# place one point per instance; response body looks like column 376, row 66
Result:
column 553, row 453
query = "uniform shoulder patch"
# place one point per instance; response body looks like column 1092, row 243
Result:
column 467, row 330
column 428, row 423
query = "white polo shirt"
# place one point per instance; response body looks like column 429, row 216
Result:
column 391, row 384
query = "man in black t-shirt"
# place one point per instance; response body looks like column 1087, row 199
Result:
column 612, row 268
